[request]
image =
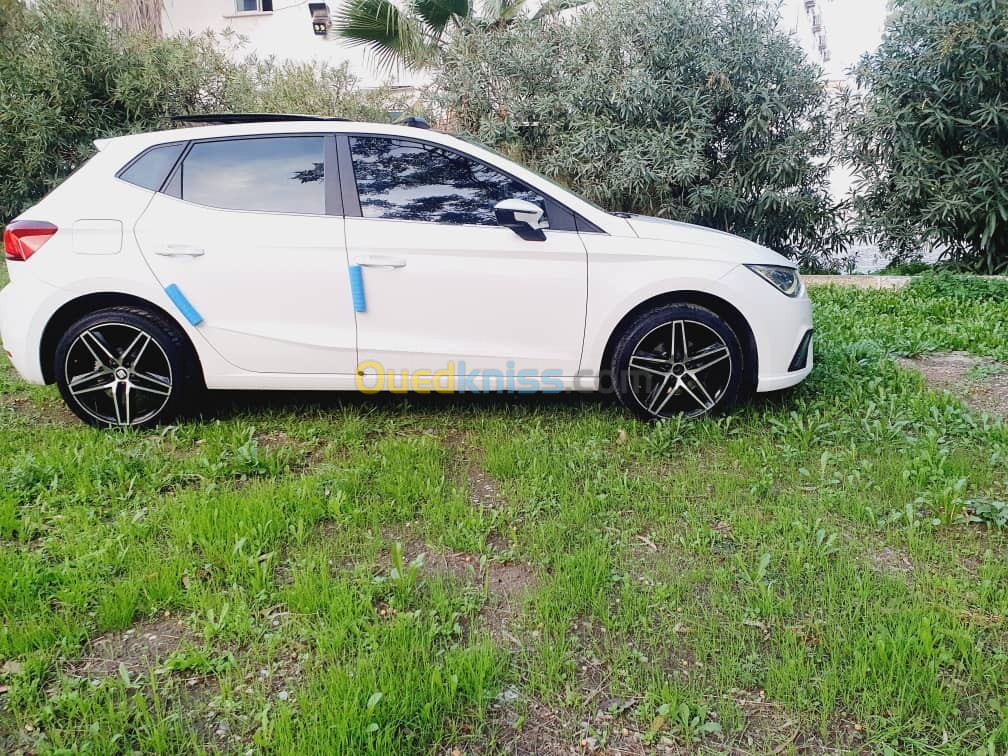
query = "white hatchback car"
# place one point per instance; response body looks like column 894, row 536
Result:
column 296, row 252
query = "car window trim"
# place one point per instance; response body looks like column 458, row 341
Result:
column 330, row 193
column 561, row 217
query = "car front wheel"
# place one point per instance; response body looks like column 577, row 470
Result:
column 125, row 367
column 679, row 359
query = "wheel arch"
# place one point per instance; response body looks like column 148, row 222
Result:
column 75, row 309
column 712, row 302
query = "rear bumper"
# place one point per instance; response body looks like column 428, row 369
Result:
column 22, row 318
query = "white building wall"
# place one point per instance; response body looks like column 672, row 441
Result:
column 286, row 32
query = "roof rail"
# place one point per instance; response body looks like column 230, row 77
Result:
column 232, row 118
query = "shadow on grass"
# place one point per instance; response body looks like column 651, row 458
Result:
column 228, row 405
column 225, row 405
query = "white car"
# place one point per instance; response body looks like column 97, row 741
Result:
column 311, row 253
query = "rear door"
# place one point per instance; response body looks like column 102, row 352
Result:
column 250, row 231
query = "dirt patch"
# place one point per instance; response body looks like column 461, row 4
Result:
column 981, row 382
column 137, row 649
column 47, row 412
column 770, row 728
column 300, row 453
column 890, row 561
column 504, row 581
column 482, row 489
column 537, row 729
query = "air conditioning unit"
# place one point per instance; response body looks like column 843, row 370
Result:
column 321, row 20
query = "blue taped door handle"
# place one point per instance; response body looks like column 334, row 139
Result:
column 357, row 289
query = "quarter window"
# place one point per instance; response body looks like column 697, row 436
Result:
column 400, row 179
column 149, row 170
column 271, row 174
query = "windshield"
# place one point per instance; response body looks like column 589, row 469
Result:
column 551, row 182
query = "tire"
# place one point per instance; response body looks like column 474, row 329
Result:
column 126, row 367
column 678, row 359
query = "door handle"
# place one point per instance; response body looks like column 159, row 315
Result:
column 181, row 250
column 380, row 262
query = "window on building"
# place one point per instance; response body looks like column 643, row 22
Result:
column 149, row 170
column 399, row 179
column 270, row 174
column 254, row 6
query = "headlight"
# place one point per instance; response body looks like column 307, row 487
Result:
column 781, row 277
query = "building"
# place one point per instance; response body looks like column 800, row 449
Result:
column 289, row 29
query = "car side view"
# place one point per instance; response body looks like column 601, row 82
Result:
column 294, row 252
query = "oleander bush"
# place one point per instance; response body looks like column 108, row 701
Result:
column 696, row 110
column 926, row 129
column 67, row 77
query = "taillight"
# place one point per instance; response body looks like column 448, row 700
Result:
column 24, row 238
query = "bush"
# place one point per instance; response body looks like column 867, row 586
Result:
column 927, row 132
column 964, row 287
column 68, row 78
column 696, row 110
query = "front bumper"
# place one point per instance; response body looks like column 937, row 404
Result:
column 779, row 324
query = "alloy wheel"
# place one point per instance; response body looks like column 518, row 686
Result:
column 682, row 367
column 118, row 374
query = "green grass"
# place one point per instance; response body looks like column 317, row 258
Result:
column 797, row 575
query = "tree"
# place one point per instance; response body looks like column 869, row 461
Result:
column 926, row 131
column 696, row 110
column 68, row 77
column 413, row 36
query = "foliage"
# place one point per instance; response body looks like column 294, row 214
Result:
column 10, row 15
column 905, row 268
column 927, row 132
column 697, row 111
column 413, row 34
column 944, row 284
column 67, row 78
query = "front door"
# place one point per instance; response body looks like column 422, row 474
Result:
column 444, row 285
column 247, row 241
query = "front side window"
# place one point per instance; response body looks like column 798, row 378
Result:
column 399, row 179
column 270, row 174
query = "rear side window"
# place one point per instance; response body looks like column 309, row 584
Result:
column 399, row 179
column 268, row 174
column 149, row 170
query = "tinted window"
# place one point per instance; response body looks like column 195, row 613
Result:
column 273, row 174
column 405, row 180
column 149, row 170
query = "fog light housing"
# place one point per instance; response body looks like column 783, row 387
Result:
column 800, row 359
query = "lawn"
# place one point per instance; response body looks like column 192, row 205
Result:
column 356, row 574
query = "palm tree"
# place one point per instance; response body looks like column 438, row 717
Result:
column 412, row 34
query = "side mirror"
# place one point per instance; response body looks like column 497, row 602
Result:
column 523, row 217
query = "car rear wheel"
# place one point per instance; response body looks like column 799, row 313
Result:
column 125, row 367
column 679, row 359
